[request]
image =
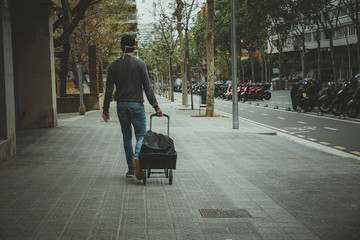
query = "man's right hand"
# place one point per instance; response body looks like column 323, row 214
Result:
column 159, row 113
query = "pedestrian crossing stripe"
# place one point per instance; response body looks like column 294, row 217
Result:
column 325, row 143
column 356, row 152
column 339, row 147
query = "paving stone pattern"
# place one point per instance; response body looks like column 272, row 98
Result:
column 69, row 183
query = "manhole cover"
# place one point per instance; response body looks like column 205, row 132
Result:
column 224, row 213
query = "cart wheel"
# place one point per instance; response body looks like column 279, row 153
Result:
column 148, row 173
column 166, row 172
column 144, row 179
column 170, row 177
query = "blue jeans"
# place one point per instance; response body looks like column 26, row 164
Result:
column 132, row 114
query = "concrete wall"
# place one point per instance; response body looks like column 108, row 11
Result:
column 34, row 65
column 70, row 103
column 7, row 102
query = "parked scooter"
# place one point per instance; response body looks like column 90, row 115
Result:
column 338, row 105
column 266, row 92
column 353, row 106
column 228, row 93
column 310, row 95
column 327, row 96
column 297, row 92
column 255, row 92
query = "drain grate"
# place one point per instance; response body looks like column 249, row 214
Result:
column 224, row 213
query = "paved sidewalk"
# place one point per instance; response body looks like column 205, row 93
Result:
column 69, row 183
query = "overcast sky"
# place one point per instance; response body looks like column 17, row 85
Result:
column 145, row 10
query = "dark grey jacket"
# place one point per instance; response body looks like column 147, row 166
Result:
column 130, row 76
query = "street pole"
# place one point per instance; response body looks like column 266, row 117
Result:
column 82, row 108
column 234, row 68
column 266, row 73
column 185, row 70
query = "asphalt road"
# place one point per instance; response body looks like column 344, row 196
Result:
column 327, row 130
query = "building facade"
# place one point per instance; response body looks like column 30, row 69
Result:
column 27, row 70
column 343, row 32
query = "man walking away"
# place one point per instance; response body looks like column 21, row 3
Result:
column 130, row 76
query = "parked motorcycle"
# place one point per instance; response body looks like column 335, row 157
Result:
column 310, row 95
column 219, row 90
column 228, row 94
column 353, row 106
column 255, row 92
column 297, row 92
column 338, row 105
column 327, row 96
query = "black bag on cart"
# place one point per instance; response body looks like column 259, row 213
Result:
column 157, row 143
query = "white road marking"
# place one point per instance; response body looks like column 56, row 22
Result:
column 301, row 122
column 284, row 133
column 265, row 114
column 329, row 128
column 280, row 118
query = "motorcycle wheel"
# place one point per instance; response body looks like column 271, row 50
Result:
column 336, row 109
column 305, row 104
column 352, row 111
column 267, row 95
column 324, row 106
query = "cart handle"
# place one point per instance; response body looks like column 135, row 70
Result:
column 165, row 115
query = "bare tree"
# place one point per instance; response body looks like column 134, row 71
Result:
column 329, row 22
column 280, row 30
column 165, row 24
column 184, row 9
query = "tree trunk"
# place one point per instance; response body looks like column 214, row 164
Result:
column 64, row 68
column 332, row 52
column 302, row 53
column 252, row 68
column 318, row 58
column 74, row 69
column 358, row 47
column 281, row 83
column 188, row 72
column 262, row 69
column 155, row 84
column 210, row 59
column 179, row 27
column 171, row 80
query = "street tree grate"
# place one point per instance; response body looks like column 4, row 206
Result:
column 224, row 213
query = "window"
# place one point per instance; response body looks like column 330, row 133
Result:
column 315, row 36
column 351, row 30
column 327, row 34
column 339, row 32
column 343, row 11
column 308, row 37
